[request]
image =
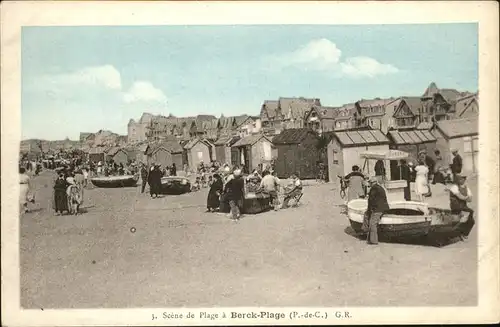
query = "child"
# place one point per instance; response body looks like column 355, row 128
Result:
column 196, row 185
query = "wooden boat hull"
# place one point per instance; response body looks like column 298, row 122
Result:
column 405, row 219
column 114, row 181
column 251, row 205
column 175, row 185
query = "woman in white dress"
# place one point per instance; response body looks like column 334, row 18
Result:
column 24, row 181
column 421, row 180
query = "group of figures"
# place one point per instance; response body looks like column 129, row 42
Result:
column 425, row 172
column 228, row 190
column 68, row 191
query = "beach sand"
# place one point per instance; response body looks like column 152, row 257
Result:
column 128, row 250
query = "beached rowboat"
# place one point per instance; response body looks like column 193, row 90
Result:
column 404, row 218
column 175, row 185
column 115, row 181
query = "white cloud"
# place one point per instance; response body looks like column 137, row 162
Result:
column 103, row 76
column 318, row 54
column 324, row 55
column 144, row 91
column 366, row 67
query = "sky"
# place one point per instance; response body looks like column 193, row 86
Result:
column 83, row 79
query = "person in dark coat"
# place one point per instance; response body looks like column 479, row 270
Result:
column 60, row 197
column 234, row 194
column 144, row 177
column 406, row 176
column 213, row 199
column 155, row 181
column 377, row 206
column 380, row 169
column 456, row 165
column 173, row 170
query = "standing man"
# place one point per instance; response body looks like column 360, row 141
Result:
column 377, row 205
column 144, row 177
column 380, row 169
column 406, row 176
column 456, row 164
column 270, row 185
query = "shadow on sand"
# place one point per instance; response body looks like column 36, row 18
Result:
column 434, row 240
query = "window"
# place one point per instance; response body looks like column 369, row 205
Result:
column 200, row 155
column 334, row 157
column 467, row 144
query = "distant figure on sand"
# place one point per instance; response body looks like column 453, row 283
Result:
column 24, row 181
column 213, row 199
column 270, row 185
column 460, row 194
column 60, row 197
column 377, row 205
column 154, row 180
column 144, row 177
column 234, row 193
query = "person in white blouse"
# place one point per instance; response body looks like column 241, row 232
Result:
column 421, row 180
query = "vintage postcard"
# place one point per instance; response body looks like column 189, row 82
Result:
column 216, row 163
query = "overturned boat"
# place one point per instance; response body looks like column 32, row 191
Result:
column 403, row 219
column 175, row 185
column 115, row 181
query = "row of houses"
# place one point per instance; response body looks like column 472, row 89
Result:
column 300, row 149
column 404, row 112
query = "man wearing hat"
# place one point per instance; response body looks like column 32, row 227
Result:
column 456, row 164
column 377, row 205
column 460, row 194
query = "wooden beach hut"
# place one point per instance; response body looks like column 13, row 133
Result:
column 345, row 148
column 96, row 154
column 224, row 150
column 463, row 135
column 253, row 150
column 165, row 154
column 198, row 150
column 117, row 154
column 297, row 152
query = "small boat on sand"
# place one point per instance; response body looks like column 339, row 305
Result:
column 175, row 185
column 115, row 181
column 409, row 219
column 404, row 218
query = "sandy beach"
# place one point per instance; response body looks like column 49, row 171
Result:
column 128, row 250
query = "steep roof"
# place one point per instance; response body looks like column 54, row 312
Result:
column 297, row 107
column 325, row 112
column 227, row 140
column 459, row 127
column 461, row 104
column 450, row 95
column 430, row 91
column 171, row 146
column 269, row 109
column 414, row 103
column 113, row 150
column 238, row 120
column 251, row 140
column 293, row 136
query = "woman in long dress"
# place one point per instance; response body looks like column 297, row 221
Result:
column 421, row 180
column 24, row 181
column 60, row 197
column 213, row 199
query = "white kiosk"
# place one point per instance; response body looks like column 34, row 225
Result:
column 394, row 189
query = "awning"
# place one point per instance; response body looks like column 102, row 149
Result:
column 385, row 155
